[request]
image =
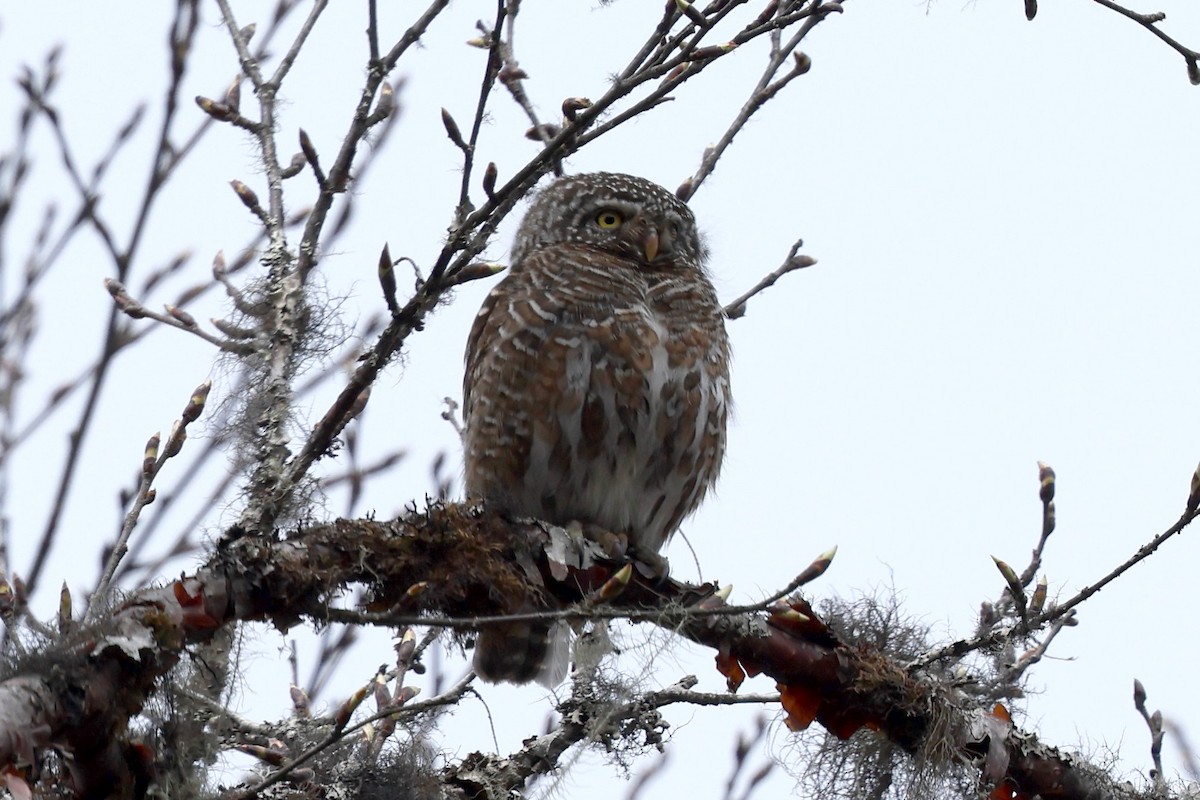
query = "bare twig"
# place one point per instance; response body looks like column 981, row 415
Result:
column 793, row 262
column 1155, row 723
column 446, row 698
column 373, row 32
column 183, row 32
column 581, row 719
column 1046, row 486
column 490, row 70
column 1143, row 552
column 285, row 63
column 1150, row 23
column 999, row 634
column 767, row 87
column 155, row 458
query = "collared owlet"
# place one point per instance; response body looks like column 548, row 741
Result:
column 597, row 382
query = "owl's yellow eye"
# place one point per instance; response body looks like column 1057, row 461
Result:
column 609, row 219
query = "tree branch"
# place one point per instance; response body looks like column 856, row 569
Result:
column 1150, row 23
column 458, row 560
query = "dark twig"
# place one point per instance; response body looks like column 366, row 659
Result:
column 373, row 32
column 1150, row 23
column 1046, row 486
column 998, row 634
column 157, row 454
column 1143, row 552
column 580, row 718
column 490, row 70
column 766, row 89
column 446, row 698
column 793, row 262
column 289, row 58
column 339, row 171
column 1155, row 723
column 183, row 32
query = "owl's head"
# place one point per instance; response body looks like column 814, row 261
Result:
column 619, row 214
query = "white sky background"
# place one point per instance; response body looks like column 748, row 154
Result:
column 1006, row 220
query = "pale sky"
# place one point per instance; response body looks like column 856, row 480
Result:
column 1006, row 222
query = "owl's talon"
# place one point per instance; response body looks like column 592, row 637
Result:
column 649, row 564
column 614, row 545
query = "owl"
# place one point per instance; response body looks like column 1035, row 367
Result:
column 597, row 383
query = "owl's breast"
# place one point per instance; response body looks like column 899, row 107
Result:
column 634, row 433
column 608, row 406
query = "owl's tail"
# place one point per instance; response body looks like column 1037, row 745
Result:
column 520, row 652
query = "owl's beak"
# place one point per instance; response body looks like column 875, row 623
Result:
column 650, row 243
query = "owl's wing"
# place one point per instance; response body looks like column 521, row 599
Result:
column 501, row 368
column 554, row 329
column 476, row 337
column 556, row 291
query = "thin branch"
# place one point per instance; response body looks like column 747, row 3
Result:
column 339, row 172
column 373, row 32
column 1058, row 611
column 583, row 718
column 174, row 318
column 737, row 308
column 448, row 697
column 1143, row 552
column 1154, row 721
column 285, row 63
column 490, row 70
column 1046, row 487
column 154, row 460
column 766, row 89
column 183, row 32
column 1150, row 23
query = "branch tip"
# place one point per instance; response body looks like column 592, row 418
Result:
column 453, row 131
column 150, row 455
column 387, row 280
column 1193, row 500
column 490, row 173
column 1046, row 482
column 691, row 12
column 195, row 405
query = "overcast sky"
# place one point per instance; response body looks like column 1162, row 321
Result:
column 1007, row 224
